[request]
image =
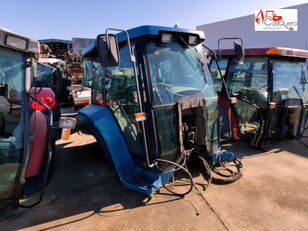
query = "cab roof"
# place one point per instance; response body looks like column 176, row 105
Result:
column 144, row 31
column 271, row 51
column 30, row 45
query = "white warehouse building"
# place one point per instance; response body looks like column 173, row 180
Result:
column 244, row 28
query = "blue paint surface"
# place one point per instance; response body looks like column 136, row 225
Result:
column 224, row 156
column 101, row 122
column 146, row 30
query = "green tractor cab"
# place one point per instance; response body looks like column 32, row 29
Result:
column 271, row 88
column 153, row 102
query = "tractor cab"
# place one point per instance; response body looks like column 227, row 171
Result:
column 26, row 122
column 271, row 88
column 153, row 99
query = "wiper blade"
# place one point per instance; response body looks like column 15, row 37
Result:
column 193, row 50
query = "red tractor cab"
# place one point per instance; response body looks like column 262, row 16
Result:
column 271, row 88
column 27, row 116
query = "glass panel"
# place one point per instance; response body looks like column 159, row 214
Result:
column 92, row 77
column 176, row 73
column 212, row 123
column 96, row 83
column 215, row 73
column 247, row 116
column 11, row 123
column 120, row 89
column 304, row 121
column 87, row 73
column 290, row 80
column 167, row 132
column 274, row 123
column 45, row 76
column 249, row 82
column 250, row 75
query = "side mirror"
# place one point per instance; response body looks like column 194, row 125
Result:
column 108, row 54
column 239, row 52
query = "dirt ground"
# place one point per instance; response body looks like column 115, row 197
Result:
column 86, row 194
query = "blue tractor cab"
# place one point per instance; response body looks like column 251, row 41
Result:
column 153, row 103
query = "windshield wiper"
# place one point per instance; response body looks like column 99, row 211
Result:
column 194, row 51
column 219, row 70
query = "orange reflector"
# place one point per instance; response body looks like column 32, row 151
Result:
column 233, row 100
column 276, row 51
column 273, row 51
column 65, row 134
column 139, row 116
column 48, row 100
column 272, row 105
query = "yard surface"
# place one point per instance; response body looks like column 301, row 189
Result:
column 85, row 194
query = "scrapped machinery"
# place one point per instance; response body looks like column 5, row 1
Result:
column 271, row 88
column 26, row 122
column 66, row 56
column 53, row 50
column 73, row 59
column 153, row 106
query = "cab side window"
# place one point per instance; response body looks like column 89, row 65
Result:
column 249, row 80
column 215, row 73
column 121, row 93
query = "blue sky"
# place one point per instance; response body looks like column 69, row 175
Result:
column 65, row 19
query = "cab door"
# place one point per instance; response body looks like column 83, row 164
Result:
column 13, row 125
column 120, row 93
column 248, row 82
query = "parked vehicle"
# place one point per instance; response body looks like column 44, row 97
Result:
column 153, row 103
column 26, row 122
column 271, row 88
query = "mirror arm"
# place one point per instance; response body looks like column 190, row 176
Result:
column 132, row 57
column 219, row 70
column 226, row 89
column 231, row 38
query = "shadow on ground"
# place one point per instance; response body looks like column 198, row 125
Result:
column 85, row 185
column 83, row 182
column 242, row 149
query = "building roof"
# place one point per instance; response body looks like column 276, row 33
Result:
column 55, row 41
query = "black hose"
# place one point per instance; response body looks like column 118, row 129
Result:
column 179, row 167
column 208, row 172
column 227, row 178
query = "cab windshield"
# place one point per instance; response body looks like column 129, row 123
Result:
column 290, row 80
column 176, row 73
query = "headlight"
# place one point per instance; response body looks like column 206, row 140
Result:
column 67, row 122
column 16, row 42
column 166, row 38
column 192, row 40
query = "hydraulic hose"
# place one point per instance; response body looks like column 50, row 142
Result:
column 179, row 167
column 232, row 175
